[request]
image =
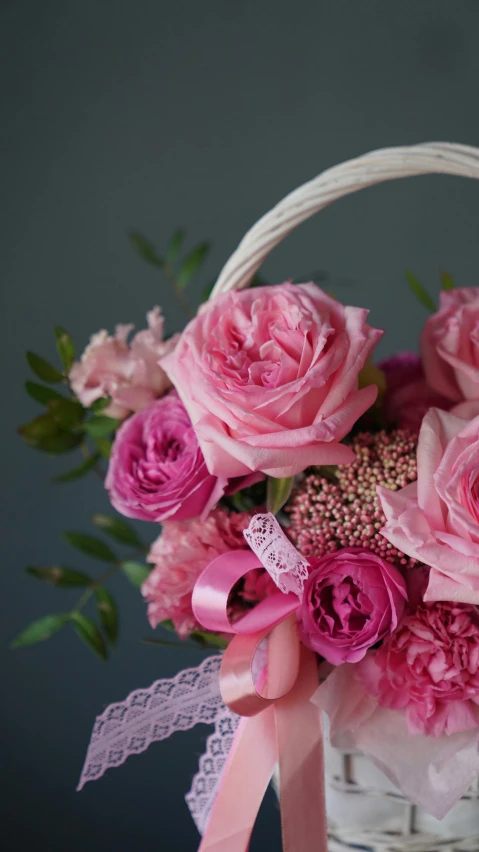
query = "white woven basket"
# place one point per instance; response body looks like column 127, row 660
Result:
column 365, row 811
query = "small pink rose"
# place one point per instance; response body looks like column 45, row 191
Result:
column 157, row 470
column 127, row 373
column 450, row 345
column 352, row 599
column 269, row 377
column 436, row 518
column 408, row 397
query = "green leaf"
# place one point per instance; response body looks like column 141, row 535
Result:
column 277, row 493
column 40, row 630
column 174, row 247
column 103, row 446
column 107, row 613
column 87, row 630
column 41, row 427
column 58, row 575
column 66, row 412
column 63, row 442
column 191, row 264
column 65, row 347
column 208, row 640
column 43, row 369
column 118, row 529
column 79, row 471
column 447, row 282
column 136, row 572
column 100, row 404
column 420, row 292
column 168, row 625
column 90, row 546
column 145, row 249
column 101, row 426
column 41, row 394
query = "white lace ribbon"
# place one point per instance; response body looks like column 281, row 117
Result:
column 277, row 554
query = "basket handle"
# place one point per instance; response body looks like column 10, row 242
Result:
column 344, row 179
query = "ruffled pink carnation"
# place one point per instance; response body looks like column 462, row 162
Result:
column 127, row 373
column 408, row 397
column 430, row 668
column 179, row 555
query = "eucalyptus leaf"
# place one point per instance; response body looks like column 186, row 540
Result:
column 78, row 472
column 135, row 572
column 175, row 246
column 90, row 546
column 191, row 264
column 87, row 630
column 58, row 575
column 107, row 613
column 100, row 426
column 40, row 630
column 65, row 347
column 145, row 249
column 447, row 282
column 420, row 292
column 42, row 394
column 277, row 493
column 117, row 529
column 43, row 370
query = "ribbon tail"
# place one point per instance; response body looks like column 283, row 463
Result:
column 301, row 763
column 245, row 779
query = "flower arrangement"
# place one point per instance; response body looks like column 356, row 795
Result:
column 315, row 518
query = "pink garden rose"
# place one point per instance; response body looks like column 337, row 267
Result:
column 157, row 470
column 128, row 373
column 430, row 668
column 436, row 518
column 179, row 555
column 352, row 599
column 408, row 397
column 450, row 345
column 269, row 377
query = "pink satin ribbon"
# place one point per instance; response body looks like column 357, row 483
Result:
column 280, row 723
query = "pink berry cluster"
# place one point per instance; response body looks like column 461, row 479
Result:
column 343, row 510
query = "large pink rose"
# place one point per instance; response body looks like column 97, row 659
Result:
column 408, row 396
column 269, row 377
column 157, row 470
column 127, row 373
column 352, row 599
column 450, row 345
column 436, row 518
column 430, row 668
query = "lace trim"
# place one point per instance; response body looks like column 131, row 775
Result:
column 150, row 715
column 204, row 787
column 284, row 563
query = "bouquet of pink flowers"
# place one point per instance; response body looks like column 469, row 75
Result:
column 319, row 525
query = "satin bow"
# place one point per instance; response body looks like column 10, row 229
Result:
column 280, row 724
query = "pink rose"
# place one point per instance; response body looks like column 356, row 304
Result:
column 450, row 345
column 127, row 373
column 157, row 470
column 269, row 377
column 179, row 555
column 352, row 599
column 430, row 668
column 408, row 397
column 436, row 518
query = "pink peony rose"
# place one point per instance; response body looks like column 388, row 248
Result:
column 269, row 377
column 157, row 470
column 408, row 397
column 127, row 373
column 179, row 555
column 352, row 599
column 430, row 668
column 436, row 518
column 450, row 345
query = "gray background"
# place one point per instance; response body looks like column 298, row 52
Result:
column 201, row 114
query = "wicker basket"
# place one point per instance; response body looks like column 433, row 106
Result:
column 365, row 811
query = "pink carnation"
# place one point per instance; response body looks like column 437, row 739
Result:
column 127, row 373
column 179, row 555
column 269, row 377
column 430, row 668
column 408, row 397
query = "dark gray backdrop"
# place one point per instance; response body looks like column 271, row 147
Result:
column 201, row 114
